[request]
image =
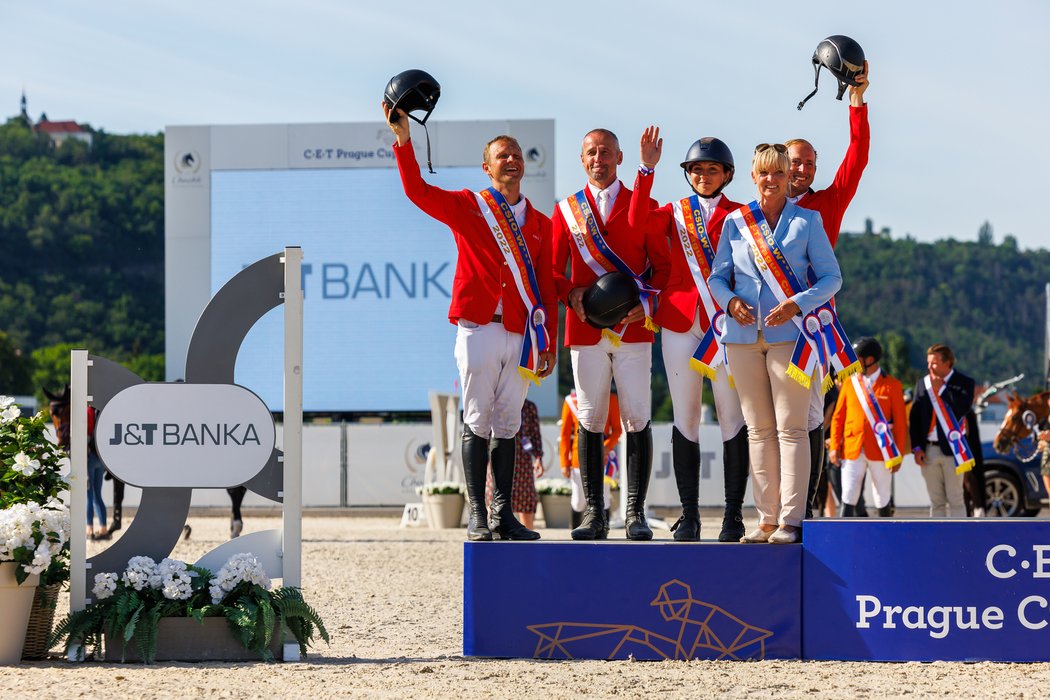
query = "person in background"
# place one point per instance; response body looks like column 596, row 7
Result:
column 570, row 455
column 869, row 430
column 942, row 454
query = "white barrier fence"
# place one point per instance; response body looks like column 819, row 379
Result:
column 356, row 464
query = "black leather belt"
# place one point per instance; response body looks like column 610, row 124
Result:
column 497, row 318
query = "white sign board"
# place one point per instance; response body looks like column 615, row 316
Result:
column 190, row 435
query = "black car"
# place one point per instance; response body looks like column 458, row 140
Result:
column 1013, row 488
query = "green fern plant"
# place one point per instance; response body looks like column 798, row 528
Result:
column 128, row 614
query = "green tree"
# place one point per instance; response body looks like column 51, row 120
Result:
column 15, row 368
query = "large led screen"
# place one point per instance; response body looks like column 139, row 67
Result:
column 377, row 279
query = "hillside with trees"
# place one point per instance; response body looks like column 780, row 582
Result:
column 82, row 233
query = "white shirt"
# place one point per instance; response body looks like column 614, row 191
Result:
column 611, row 191
column 708, row 204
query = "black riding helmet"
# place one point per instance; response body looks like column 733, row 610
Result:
column 844, row 59
column 868, row 347
column 412, row 91
column 709, row 150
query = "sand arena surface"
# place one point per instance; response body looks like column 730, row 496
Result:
column 392, row 602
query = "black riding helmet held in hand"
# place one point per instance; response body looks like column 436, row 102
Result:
column 709, row 150
column 844, row 59
column 413, row 91
column 868, row 347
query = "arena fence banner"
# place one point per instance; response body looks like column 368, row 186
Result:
column 922, row 590
column 618, row 600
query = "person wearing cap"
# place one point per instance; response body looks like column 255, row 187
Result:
column 937, row 450
column 831, row 202
column 596, row 219
column 765, row 246
column 505, row 315
column 690, row 345
column 869, row 439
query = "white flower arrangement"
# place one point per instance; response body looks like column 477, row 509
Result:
column 441, row 487
column 553, row 487
column 33, row 535
column 240, row 568
column 8, row 410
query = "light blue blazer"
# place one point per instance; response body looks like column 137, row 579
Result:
column 801, row 235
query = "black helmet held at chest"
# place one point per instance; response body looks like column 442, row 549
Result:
column 868, row 347
column 844, row 59
column 412, row 91
column 710, row 150
column 609, row 299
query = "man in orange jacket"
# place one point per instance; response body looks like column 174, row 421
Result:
column 869, row 430
column 570, row 454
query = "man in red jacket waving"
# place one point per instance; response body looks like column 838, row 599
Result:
column 831, row 203
column 504, row 306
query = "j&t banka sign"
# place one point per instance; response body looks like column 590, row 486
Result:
column 194, row 435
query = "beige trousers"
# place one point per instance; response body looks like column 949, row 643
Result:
column 775, row 409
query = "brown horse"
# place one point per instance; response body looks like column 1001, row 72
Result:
column 1022, row 421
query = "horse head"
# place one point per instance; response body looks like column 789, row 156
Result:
column 1023, row 416
column 58, row 406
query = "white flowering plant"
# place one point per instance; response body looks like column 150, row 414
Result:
column 30, row 464
column 130, row 605
column 35, row 537
column 441, row 488
column 553, row 487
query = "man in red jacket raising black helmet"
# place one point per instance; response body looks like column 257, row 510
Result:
column 831, row 203
column 593, row 231
column 504, row 305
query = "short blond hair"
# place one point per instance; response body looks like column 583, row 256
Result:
column 801, row 142
column 770, row 159
column 498, row 139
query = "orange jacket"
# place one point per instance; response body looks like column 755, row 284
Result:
column 570, row 456
column 849, row 426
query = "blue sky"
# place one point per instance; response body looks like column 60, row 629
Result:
column 957, row 106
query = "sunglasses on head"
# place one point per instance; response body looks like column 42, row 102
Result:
column 778, row 147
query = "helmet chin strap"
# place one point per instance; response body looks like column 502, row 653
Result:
column 700, row 194
column 816, row 85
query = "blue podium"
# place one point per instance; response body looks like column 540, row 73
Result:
column 925, row 590
column 619, row 600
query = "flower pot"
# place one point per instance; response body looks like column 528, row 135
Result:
column 16, row 602
column 185, row 639
column 444, row 510
column 41, row 620
column 557, row 510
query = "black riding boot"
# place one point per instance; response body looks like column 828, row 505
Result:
column 686, row 457
column 475, row 463
column 118, row 505
column 886, row 511
column 816, row 464
column 639, row 469
column 577, row 519
column 502, row 521
column 849, row 511
column 736, row 457
column 595, row 526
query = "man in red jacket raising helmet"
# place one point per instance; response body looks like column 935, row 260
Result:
column 504, row 306
column 831, row 203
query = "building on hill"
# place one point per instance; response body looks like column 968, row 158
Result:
column 58, row 131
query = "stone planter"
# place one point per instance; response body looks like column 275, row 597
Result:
column 444, row 510
column 184, row 639
column 557, row 510
column 16, row 602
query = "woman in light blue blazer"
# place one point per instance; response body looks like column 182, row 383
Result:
column 762, row 326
